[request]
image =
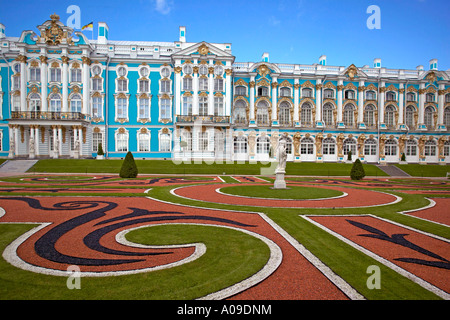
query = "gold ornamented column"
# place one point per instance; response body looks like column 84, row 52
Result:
column 65, row 89
column 44, row 83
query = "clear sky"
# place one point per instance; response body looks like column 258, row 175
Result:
column 292, row 31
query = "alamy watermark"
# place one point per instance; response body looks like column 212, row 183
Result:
column 374, row 280
column 74, row 277
column 374, row 20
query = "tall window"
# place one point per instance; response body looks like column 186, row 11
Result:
column 369, row 116
column 285, row 113
column 348, row 115
column 165, row 142
column 55, row 103
column 447, row 148
column 307, row 146
column 97, row 84
column 203, row 141
column 122, row 142
column 218, row 106
column 410, row 96
column 240, row 112
column 35, row 102
column 203, row 84
column 203, row 106
column 97, row 107
column 187, row 106
column 409, row 117
column 35, row 74
column 447, row 117
column 349, row 145
column 122, row 85
column 75, row 103
column 240, row 144
column 328, row 114
column 187, row 83
column 430, row 148
column 143, row 141
column 306, row 114
column 218, row 84
column 349, row 94
column 262, row 113
column 428, row 117
column 370, row 147
column 144, row 86
column 411, row 147
column 97, row 138
column 55, row 74
column 390, row 147
column 165, row 108
column 328, row 146
column 122, row 108
column 389, row 115
column 262, row 145
column 75, row 75
column 165, row 86
column 144, row 107
column 16, row 103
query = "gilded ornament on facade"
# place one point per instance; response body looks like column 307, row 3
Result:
column 203, row 49
column 263, row 70
column 431, row 77
column 352, row 72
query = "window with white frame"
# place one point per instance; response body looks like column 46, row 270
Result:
column 240, row 91
column 306, row 114
column 187, row 69
column 429, row 97
column 165, row 72
column 96, row 70
column 35, row 74
column 144, row 107
column 411, row 147
column 143, row 141
column 16, row 82
column 390, row 147
column 370, row 95
column 218, row 70
column 262, row 145
column 328, row 146
column 285, row 92
column 389, row 116
column 75, row 75
column 446, row 148
column 203, row 141
column 97, row 84
column 187, row 84
column 369, row 115
column 327, row 114
column 349, row 110
column 164, row 86
column 121, row 71
column 75, row 103
column 35, row 102
column 240, row 144
column 15, row 103
column 390, row 96
column 349, row 94
column 55, row 74
column 288, row 145
column 218, row 84
column 203, row 84
column 144, row 86
column 164, row 108
column 97, row 107
column 349, row 145
column 144, row 72
column 262, row 113
column 430, row 148
column 307, row 146
column 328, row 94
column 55, row 102
column 203, row 106
column 165, row 144
column 410, row 96
column 263, row 92
column 122, row 142
column 218, row 106
column 370, row 147
column 121, row 108
column 97, row 138
column 122, row 85
column 240, row 112
column 428, row 117
column 187, row 106
column 203, row 69
column 285, row 113
column 307, row 93
column 447, row 117
column 409, row 116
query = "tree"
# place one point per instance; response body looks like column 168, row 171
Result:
column 349, row 155
column 100, row 149
column 357, row 172
column 129, row 168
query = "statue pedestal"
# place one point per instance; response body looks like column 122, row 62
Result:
column 279, row 180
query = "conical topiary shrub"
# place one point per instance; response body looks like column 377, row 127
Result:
column 128, row 169
column 357, row 172
column 100, row 149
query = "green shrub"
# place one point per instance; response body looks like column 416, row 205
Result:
column 357, row 172
column 349, row 156
column 100, row 149
column 129, row 168
column 403, row 157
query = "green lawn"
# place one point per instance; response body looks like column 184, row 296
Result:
column 429, row 170
column 169, row 167
column 294, row 192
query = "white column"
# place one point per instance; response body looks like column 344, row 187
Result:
column 340, row 88
column 296, row 99
column 421, row 103
column 177, row 91
column 55, row 141
column 16, row 140
column 274, row 99
column 60, row 140
column 211, row 94
column 23, row 83
column 64, row 80
column 36, row 140
column 195, row 96
column 44, row 83
column 382, row 91
column 319, row 100
column 31, row 154
column 361, row 102
column 441, row 105
column 228, row 92
column 401, row 98
column 252, row 98
column 85, row 109
column 80, row 139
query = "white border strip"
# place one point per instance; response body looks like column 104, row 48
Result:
column 384, row 261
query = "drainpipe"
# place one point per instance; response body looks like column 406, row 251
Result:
column 106, row 107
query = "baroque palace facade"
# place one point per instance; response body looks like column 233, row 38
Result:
column 61, row 95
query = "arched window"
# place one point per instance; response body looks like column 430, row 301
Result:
column 328, row 94
column 306, row 114
column 240, row 114
column 428, row 117
column 307, row 146
column 262, row 113
column 411, row 147
column 409, row 116
column 430, row 97
column 307, row 93
column 285, row 92
column 389, row 115
column 240, row 91
column 262, row 145
column 240, row 144
column 390, row 147
column 369, row 115
column 349, row 145
column 348, row 115
column 430, row 148
column 35, row 102
column 143, row 141
column 203, row 106
column 55, row 103
column 75, row 103
column 447, row 117
column 263, row 92
column 327, row 115
column 328, row 146
column 285, row 113
column 370, row 147
column 390, row 96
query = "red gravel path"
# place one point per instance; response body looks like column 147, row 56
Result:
column 355, row 198
column 439, row 213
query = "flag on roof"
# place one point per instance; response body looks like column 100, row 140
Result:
column 89, row 26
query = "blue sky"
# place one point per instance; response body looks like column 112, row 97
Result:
column 292, row 31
